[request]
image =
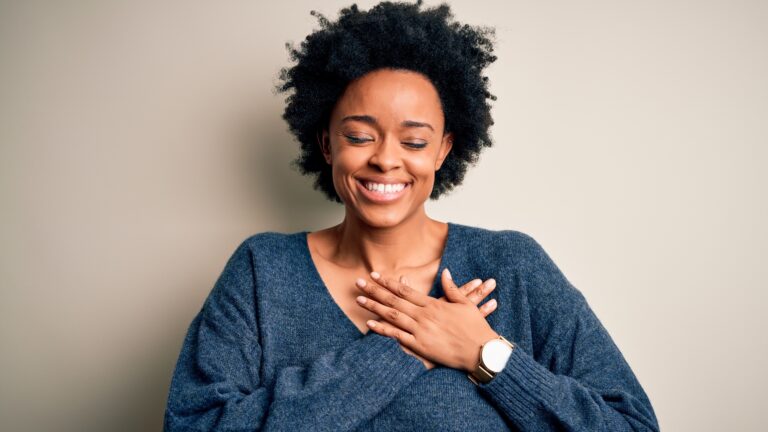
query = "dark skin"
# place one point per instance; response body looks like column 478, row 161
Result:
column 385, row 141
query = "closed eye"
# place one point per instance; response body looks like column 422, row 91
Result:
column 356, row 140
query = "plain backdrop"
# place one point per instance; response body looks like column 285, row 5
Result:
column 141, row 142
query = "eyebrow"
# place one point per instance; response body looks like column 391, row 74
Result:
column 372, row 121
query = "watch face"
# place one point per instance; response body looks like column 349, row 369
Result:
column 495, row 355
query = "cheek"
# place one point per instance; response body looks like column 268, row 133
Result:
column 343, row 164
column 422, row 168
column 346, row 161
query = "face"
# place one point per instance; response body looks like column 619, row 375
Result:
column 385, row 140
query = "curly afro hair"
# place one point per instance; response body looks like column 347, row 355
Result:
column 396, row 36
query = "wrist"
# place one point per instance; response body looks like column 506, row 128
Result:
column 473, row 358
column 494, row 355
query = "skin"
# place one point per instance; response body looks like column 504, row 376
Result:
column 389, row 125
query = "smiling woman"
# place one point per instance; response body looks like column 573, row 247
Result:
column 376, row 323
column 382, row 146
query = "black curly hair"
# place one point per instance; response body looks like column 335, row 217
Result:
column 395, row 36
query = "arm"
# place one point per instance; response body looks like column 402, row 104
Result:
column 217, row 385
column 587, row 386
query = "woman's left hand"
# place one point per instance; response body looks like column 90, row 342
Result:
column 446, row 332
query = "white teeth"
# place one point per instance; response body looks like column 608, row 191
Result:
column 384, row 188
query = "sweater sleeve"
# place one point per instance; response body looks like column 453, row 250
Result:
column 578, row 380
column 217, row 384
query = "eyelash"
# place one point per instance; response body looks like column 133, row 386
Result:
column 355, row 140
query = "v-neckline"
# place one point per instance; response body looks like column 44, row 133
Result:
column 315, row 274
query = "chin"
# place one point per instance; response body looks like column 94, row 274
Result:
column 382, row 218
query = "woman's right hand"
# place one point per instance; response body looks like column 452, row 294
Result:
column 476, row 290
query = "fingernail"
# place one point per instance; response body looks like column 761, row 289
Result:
column 491, row 284
column 476, row 283
column 403, row 280
column 375, row 275
column 360, row 282
column 361, row 299
column 448, row 273
column 371, row 323
column 492, row 303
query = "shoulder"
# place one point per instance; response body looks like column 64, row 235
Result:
column 268, row 238
column 259, row 253
column 511, row 246
column 518, row 254
column 271, row 244
column 263, row 251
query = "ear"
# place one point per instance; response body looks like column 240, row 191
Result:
column 324, row 141
column 445, row 147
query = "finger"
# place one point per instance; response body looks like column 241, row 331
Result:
column 466, row 288
column 470, row 286
column 391, row 315
column 488, row 307
column 386, row 297
column 386, row 329
column 451, row 290
column 400, row 289
column 482, row 291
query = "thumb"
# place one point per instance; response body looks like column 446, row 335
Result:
column 452, row 292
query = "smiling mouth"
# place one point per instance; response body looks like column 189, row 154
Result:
column 382, row 192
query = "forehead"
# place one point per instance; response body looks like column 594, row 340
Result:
column 391, row 94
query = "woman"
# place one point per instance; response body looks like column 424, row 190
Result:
column 374, row 324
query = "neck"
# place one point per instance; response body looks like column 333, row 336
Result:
column 392, row 249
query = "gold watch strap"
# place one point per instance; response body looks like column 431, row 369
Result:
column 481, row 374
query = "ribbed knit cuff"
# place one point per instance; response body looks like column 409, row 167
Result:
column 523, row 388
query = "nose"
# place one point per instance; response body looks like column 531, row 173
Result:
column 386, row 155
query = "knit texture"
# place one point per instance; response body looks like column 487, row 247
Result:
column 271, row 350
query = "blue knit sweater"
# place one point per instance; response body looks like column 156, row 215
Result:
column 271, row 350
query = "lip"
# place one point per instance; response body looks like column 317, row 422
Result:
column 381, row 198
column 382, row 180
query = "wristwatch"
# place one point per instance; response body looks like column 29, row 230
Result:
column 493, row 357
